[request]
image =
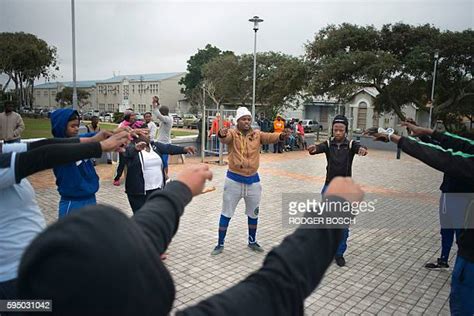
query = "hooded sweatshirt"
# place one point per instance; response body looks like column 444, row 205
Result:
column 77, row 180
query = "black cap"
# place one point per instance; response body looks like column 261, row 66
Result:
column 341, row 119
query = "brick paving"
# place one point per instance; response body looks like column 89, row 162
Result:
column 386, row 250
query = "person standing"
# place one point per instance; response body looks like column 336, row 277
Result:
column 94, row 127
column 145, row 168
column 11, row 124
column 300, row 135
column 164, row 131
column 340, row 153
column 242, row 179
column 266, row 127
column 153, row 129
column 278, row 127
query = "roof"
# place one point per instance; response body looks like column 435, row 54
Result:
column 143, row 77
column 369, row 90
column 79, row 84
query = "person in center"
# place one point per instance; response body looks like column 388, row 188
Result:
column 242, row 179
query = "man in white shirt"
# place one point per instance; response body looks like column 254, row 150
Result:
column 164, row 131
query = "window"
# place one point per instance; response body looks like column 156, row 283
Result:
column 110, row 107
column 45, row 93
column 38, row 93
column 101, row 107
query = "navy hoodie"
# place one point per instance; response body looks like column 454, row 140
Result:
column 77, row 180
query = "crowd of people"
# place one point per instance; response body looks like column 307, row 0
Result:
column 95, row 260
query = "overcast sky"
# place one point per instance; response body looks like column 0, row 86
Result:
column 133, row 37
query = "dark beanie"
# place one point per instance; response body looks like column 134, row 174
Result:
column 96, row 262
column 341, row 119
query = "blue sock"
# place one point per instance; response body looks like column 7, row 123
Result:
column 223, row 224
column 252, row 229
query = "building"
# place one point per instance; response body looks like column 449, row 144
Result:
column 360, row 111
column 136, row 91
column 120, row 92
column 45, row 94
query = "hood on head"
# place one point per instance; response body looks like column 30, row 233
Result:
column 59, row 120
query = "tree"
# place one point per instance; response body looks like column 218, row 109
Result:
column 64, row 97
column 24, row 58
column 192, row 81
column 396, row 60
column 280, row 79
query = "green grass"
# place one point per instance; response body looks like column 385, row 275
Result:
column 36, row 128
column 41, row 128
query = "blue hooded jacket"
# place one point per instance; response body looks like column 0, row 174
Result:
column 75, row 181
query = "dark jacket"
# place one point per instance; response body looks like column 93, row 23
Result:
column 265, row 125
column 118, row 271
column 455, row 157
column 134, row 183
column 452, row 184
column 339, row 157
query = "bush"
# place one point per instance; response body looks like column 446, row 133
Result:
column 118, row 117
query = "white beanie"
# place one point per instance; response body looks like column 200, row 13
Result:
column 242, row 111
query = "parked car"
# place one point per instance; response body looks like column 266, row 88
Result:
column 190, row 121
column 177, row 120
column 311, row 126
column 87, row 116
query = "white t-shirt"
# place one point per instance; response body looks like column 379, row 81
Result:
column 152, row 170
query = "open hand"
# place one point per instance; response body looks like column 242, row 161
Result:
column 115, row 141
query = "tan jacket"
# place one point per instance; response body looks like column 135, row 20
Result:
column 11, row 126
column 244, row 151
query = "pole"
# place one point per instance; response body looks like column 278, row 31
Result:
column 74, row 90
column 432, row 89
column 203, row 125
column 254, row 73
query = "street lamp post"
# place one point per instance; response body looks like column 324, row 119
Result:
column 74, row 90
column 436, row 56
column 255, row 21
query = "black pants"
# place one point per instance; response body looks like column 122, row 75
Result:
column 138, row 200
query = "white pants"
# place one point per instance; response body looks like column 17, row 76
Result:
column 234, row 191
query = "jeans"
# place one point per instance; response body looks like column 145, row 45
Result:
column 342, row 247
column 461, row 300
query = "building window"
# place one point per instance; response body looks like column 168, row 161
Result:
column 110, row 107
column 46, row 93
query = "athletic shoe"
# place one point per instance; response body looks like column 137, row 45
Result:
column 441, row 264
column 117, row 183
column 218, row 250
column 255, row 247
column 340, row 261
column 109, row 161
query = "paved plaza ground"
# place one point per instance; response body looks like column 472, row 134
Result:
column 386, row 250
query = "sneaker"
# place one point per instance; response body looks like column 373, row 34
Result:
column 340, row 261
column 440, row 264
column 256, row 247
column 218, row 250
column 117, row 183
column 109, row 161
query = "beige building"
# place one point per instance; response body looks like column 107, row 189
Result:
column 136, row 92
column 45, row 94
column 121, row 92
